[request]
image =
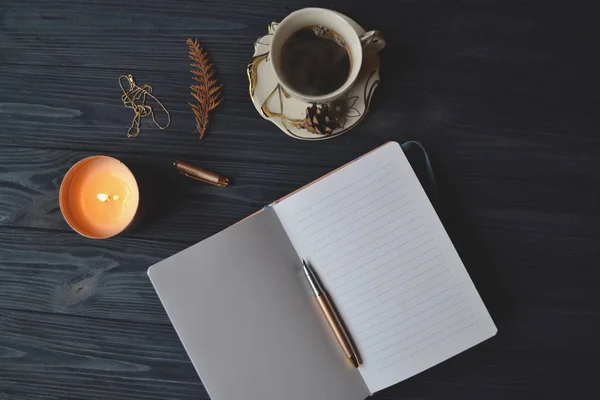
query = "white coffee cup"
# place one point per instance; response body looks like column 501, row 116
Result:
column 357, row 46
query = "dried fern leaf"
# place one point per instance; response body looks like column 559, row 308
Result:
column 208, row 90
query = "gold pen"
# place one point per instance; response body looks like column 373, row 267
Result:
column 201, row 174
column 331, row 316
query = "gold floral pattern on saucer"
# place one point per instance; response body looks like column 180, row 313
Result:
column 288, row 113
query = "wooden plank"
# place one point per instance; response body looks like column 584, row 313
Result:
column 64, row 357
column 56, row 113
column 68, row 274
column 172, row 207
column 54, row 35
column 51, row 356
column 65, row 273
column 434, row 98
column 125, row 29
column 176, row 208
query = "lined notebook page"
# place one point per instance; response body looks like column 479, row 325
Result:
column 383, row 255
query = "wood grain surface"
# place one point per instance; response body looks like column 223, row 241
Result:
column 504, row 95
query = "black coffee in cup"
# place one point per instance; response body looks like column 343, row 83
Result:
column 315, row 61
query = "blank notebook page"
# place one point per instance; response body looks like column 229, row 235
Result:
column 383, row 255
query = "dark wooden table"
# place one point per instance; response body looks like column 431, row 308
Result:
column 502, row 93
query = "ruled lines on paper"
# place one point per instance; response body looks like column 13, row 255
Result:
column 382, row 255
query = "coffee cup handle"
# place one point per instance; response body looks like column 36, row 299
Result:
column 372, row 42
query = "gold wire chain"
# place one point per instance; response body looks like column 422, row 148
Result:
column 130, row 100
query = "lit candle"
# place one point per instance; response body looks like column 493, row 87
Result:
column 99, row 197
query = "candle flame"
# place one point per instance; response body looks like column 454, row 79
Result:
column 103, row 197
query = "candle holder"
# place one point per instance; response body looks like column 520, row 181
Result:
column 99, row 197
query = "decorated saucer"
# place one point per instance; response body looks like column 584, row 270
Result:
column 290, row 114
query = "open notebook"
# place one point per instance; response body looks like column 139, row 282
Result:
column 241, row 306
